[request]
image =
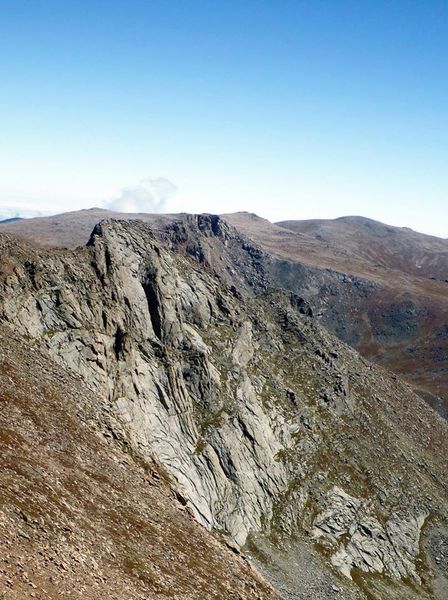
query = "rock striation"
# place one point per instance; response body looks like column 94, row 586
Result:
column 81, row 515
column 362, row 541
column 265, row 422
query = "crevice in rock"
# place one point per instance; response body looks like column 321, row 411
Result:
column 149, row 287
column 119, row 342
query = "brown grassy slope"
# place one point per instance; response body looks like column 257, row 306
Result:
column 80, row 517
column 377, row 244
column 68, row 230
column 401, row 265
column 389, row 255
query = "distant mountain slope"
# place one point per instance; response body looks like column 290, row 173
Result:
column 68, row 230
column 381, row 289
column 11, row 220
column 396, row 248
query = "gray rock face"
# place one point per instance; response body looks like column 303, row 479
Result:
column 263, row 420
column 130, row 327
column 360, row 540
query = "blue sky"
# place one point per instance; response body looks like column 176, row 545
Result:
column 290, row 109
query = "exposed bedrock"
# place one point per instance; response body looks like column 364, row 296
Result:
column 264, row 420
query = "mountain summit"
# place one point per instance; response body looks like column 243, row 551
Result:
column 291, row 451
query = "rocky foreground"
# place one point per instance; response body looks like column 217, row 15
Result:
column 81, row 515
column 330, row 473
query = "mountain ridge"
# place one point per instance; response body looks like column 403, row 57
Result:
column 390, row 313
column 268, row 424
column 393, row 314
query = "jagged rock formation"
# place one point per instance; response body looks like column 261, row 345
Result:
column 81, row 515
column 381, row 289
column 367, row 544
column 267, row 423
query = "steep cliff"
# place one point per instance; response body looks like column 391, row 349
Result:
column 276, row 433
column 81, row 515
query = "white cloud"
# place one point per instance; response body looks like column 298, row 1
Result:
column 149, row 196
column 21, row 210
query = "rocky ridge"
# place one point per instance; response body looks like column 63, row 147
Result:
column 381, row 289
column 267, row 423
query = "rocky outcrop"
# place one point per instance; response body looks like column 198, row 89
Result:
column 361, row 541
column 81, row 515
column 381, row 289
column 264, row 421
column 123, row 324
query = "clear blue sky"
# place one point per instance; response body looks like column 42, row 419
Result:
column 290, row 109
